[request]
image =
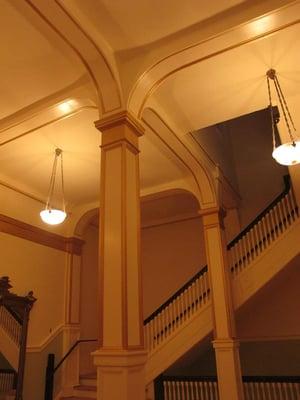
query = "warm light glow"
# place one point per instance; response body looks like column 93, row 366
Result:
column 287, row 153
column 66, row 106
column 53, row 217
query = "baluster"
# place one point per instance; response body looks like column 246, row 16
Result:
column 240, row 256
column 194, row 296
column 269, row 227
column 265, row 232
column 201, row 290
column 297, row 390
column 288, row 209
column 189, row 301
column 197, row 391
column 170, row 317
column 260, row 233
column 255, row 242
column 273, row 225
column 283, row 209
column 268, row 390
column 262, row 391
column 257, row 239
column 279, row 390
column 197, row 294
column 277, row 209
column 248, row 248
column 178, row 395
column 244, row 250
column 174, row 386
column 276, row 221
column 293, row 204
column 177, row 311
column 210, row 390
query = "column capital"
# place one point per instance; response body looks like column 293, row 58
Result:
column 121, row 126
column 226, row 344
column 213, row 216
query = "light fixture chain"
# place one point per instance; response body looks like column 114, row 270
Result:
column 272, row 114
column 62, row 182
column 52, row 183
column 285, row 103
column 283, row 108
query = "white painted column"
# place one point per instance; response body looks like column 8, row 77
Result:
column 121, row 358
column 225, row 344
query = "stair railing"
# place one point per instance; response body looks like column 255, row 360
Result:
column 205, row 388
column 8, row 380
column 52, row 369
column 266, row 228
column 14, row 319
column 194, row 295
column 253, row 240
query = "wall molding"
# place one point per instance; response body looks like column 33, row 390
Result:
column 40, row 347
column 26, row 231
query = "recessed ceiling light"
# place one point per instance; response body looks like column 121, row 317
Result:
column 66, row 106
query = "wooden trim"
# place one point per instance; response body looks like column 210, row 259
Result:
column 26, row 231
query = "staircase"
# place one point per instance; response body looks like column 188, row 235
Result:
column 14, row 317
column 87, row 389
column 256, row 255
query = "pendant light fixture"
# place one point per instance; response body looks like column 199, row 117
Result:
column 287, row 153
column 51, row 215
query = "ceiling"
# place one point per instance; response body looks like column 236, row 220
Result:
column 48, row 86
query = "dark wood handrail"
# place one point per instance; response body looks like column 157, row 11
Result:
column 176, row 294
column 51, row 369
column 287, row 187
column 71, row 349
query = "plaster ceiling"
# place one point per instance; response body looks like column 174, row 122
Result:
column 35, row 62
column 39, row 65
column 231, row 84
column 134, row 23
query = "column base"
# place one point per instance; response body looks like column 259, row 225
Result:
column 120, row 374
column 228, row 369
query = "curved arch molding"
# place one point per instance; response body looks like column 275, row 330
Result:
column 228, row 40
column 89, row 54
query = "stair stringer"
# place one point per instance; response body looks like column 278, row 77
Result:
column 191, row 332
column 249, row 281
column 266, row 265
column 9, row 349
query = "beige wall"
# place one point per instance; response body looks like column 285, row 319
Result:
column 89, row 314
column 171, row 254
column 277, row 318
column 32, row 266
column 259, row 176
column 35, row 367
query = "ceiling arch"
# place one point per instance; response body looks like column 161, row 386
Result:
column 173, row 64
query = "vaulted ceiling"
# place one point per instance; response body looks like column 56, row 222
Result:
column 190, row 64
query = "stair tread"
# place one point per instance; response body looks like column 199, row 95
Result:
column 91, row 375
column 85, row 387
column 75, row 398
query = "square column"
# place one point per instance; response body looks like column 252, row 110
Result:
column 226, row 347
column 121, row 358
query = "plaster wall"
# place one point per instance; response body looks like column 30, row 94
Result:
column 259, row 176
column 89, row 311
column 171, row 254
column 32, row 266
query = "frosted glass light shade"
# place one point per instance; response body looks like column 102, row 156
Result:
column 288, row 153
column 53, row 217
